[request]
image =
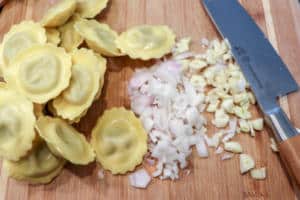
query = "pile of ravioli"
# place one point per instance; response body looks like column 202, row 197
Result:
column 53, row 72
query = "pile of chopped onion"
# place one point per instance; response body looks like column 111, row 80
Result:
column 170, row 109
column 171, row 96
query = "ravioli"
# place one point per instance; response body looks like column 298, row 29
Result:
column 59, row 13
column 17, row 122
column 87, row 72
column 99, row 37
column 53, row 36
column 119, row 140
column 64, row 141
column 40, row 73
column 70, row 39
column 19, row 38
column 146, row 41
column 90, row 8
column 40, row 166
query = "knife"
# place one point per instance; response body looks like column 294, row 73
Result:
column 266, row 73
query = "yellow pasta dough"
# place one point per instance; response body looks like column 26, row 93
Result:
column 119, row 140
column 70, row 39
column 19, row 38
column 40, row 73
column 40, row 166
column 59, row 13
column 87, row 72
column 63, row 140
column 99, row 37
column 90, row 8
column 146, row 41
column 53, row 36
column 17, row 122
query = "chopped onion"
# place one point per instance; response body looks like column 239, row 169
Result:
column 139, row 179
column 226, row 156
column 202, row 149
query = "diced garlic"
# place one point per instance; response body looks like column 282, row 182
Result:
column 212, row 106
column 246, row 163
column 209, row 74
column 211, row 57
column 259, row 173
column 182, row 45
column 197, row 64
column 233, row 67
column 233, row 147
column 198, row 81
column 227, row 56
column 221, row 118
column 227, row 105
column 273, row 145
column 258, row 124
column 244, row 126
column 242, row 112
column 251, row 98
column 241, row 98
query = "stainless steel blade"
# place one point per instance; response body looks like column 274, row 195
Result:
column 261, row 65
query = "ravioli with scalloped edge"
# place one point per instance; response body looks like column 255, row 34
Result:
column 119, row 140
column 40, row 73
column 90, row 8
column 65, row 141
column 53, row 36
column 146, row 41
column 17, row 122
column 87, row 72
column 99, row 37
column 70, row 39
column 20, row 37
column 59, row 14
column 40, row 166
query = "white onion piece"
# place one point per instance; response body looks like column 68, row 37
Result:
column 139, row 179
column 230, row 133
column 226, row 156
column 219, row 150
column 202, row 149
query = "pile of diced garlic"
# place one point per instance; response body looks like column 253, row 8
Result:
column 172, row 96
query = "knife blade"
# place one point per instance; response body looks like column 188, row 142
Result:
column 265, row 71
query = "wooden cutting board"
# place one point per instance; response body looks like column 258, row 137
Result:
column 209, row 178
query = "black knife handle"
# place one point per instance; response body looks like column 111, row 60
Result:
column 281, row 125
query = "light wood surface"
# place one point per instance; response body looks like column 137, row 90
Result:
column 209, row 178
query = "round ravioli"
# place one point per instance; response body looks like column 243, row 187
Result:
column 53, row 36
column 119, row 140
column 87, row 72
column 41, row 72
column 59, row 13
column 70, row 39
column 64, row 141
column 19, row 38
column 90, row 8
column 146, row 41
column 40, row 166
column 17, row 122
column 99, row 37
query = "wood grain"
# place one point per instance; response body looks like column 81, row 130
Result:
column 210, row 178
